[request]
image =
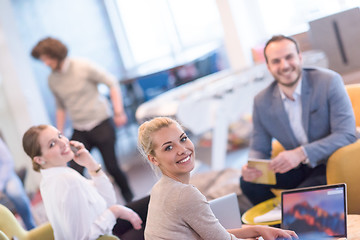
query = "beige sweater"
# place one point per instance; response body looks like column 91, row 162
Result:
column 76, row 91
column 180, row 211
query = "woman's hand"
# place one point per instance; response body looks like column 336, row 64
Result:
column 267, row 233
column 127, row 214
column 83, row 157
column 270, row 233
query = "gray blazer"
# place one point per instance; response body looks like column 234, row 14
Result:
column 327, row 117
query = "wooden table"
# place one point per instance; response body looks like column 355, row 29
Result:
column 353, row 227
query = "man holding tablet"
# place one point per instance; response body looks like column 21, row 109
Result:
column 307, row 110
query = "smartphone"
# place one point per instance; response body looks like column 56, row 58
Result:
column 74, row 149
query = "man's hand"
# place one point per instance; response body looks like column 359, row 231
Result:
column 249, row 174
column 120, row 119
column 287, row 160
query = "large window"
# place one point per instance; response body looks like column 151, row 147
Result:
column 291, row 17
column 157, row 34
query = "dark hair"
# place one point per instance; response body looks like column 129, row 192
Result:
column 31, row 144
column 278, row 38
column 50, row 47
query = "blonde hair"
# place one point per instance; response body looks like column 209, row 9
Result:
column 145, row 141
column 31, row 144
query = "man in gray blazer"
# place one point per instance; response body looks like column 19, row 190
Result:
column 307, row 110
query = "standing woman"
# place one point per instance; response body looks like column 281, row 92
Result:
column 77, row 208
column 177, row 210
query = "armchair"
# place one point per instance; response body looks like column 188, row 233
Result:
column 10, row 228
column 343, row 165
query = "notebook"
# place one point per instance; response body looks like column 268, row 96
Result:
column 315, row 212
column 226, row 210
column 268, row 176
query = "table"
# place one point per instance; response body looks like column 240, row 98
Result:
column 260, row 209
column 353, row 227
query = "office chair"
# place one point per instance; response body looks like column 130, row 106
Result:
column 154, row 84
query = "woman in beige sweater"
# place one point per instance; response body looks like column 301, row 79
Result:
column 177, row 210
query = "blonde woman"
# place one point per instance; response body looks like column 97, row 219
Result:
column 177, row 210
column 77, row 208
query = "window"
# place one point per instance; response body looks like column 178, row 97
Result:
column 298, row 13
column 157, row 34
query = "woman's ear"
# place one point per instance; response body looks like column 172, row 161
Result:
column 39, row 160
column 152, row 159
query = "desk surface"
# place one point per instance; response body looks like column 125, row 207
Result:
column 353, row 227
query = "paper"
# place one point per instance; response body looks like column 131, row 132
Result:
column 273, row 215
column 268, row 176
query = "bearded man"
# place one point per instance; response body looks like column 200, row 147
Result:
column 307, row 110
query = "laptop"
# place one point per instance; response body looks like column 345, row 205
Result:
column 315, row 212
column 226, row 210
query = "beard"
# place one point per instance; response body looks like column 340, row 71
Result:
column 290, row 84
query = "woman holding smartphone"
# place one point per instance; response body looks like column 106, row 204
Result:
column 177, row 210
column 77, row 208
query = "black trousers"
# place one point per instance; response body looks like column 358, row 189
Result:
column 103, row 137
column 124, row 230
column 303, row 176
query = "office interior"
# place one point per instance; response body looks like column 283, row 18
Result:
column 170, row 43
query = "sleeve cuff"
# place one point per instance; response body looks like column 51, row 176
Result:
column 104, row 224
column 306, row 160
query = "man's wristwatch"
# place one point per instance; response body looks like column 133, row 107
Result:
column 306, row 161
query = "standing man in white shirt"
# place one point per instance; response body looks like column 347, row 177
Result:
column 307, row 110
column 74, row 83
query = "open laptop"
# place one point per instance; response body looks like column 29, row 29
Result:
column 315, row 212
column 226, row 210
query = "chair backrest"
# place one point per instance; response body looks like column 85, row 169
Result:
column 154, row 84
column 3, row 236
column 12, row 228
column 276, row 148
column 343, row 167
column 108, row 237
column 353, row 91
column 9, row 225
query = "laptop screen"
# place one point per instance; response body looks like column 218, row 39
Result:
column 315, row 212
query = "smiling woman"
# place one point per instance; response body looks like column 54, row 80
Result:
column 76, row 207
column 177, row 210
